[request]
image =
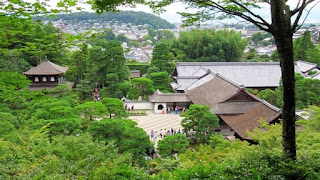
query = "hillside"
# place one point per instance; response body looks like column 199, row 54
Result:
column 135, row 18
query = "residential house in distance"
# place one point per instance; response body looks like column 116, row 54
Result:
column 46, row 75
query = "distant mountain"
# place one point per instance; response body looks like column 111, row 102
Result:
column 133, row 17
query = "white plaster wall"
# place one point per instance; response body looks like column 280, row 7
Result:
column 156, row 107
column 139, row 104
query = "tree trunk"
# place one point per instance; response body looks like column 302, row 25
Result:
column 281, row 30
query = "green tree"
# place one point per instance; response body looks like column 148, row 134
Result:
column 162, row 58
column 172, row 144
column 124, row 87
column 122, row 38
column 307, row 93
column 164, row 34
column 257, row 37
column 78, row 65
column 200, row 119
column 12, row 60
column 92, row 110
column 305, row 50
column 115, row 107
column 9, row 123
column 134, row 93
column 65, row 126
column 111, row 82
column 160, row 81
column 272, row 96
column 152, row 32
column 124, row 133
column 209, row 45
column 104, row 65
column 108, row 35
column 142, row 86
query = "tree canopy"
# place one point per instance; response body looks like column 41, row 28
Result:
column 198, row 118
column 209, row 45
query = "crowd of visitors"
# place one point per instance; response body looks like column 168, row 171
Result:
column 155, row 136
column 176, row 110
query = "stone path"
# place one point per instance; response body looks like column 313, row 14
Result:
column 156, row 122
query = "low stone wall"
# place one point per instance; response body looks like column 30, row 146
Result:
column 139, row 104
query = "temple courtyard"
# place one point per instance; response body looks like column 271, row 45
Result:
column 155, row 122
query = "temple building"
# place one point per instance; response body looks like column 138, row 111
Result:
column 238, row 110
column 256, row 75
column 46, row 75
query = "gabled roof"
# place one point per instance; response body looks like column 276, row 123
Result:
column 201, row 72
column 46, row 68
column 168, row 97
column 213, row 92
column 248, row 121
column 240, row 109
column 241, row 102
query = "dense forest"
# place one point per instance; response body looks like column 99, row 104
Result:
column 133, row 17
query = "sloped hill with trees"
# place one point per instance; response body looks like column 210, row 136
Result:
column 135, row 18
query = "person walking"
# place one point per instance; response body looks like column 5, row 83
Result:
column 95, row 93
column 160, row 133
column 176, row 110
column 155, row 136
column 152, row 135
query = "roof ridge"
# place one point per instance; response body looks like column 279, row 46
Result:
column 307, row 62
column 198, row 79
column 270, row 105
column 57, row 67
column 225, row 63
column 263, row 101
column 232, row 82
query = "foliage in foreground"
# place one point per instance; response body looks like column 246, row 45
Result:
column 43, row 137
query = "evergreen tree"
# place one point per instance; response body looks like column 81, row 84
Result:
column 162, row 58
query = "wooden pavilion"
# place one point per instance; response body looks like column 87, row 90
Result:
column 46, row 75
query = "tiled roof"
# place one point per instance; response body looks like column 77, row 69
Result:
column 239, row 108
column 234, row 107
column 213, row 92
column 201, row 81
column 249, row 74
column 305, row 66
column 168, row 97
column 46, row 68
column 248, row 121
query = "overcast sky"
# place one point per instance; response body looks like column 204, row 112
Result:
column 172, row 16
